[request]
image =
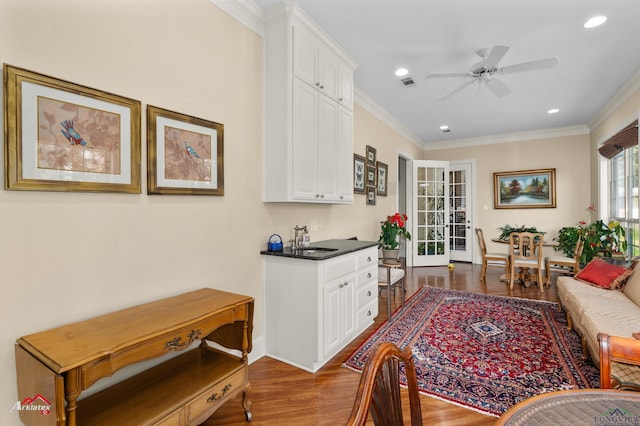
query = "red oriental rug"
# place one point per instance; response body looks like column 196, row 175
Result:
column 483, row 352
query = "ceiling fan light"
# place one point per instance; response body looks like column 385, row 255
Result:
column 595, row 21
column 401, row 72
column 445, row 128
column 553, row 111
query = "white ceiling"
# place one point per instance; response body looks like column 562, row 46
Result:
column 438, row 36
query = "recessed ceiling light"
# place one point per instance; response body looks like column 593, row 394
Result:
column 595, row 21
column 401, row 72
column 445, row 128
column 553, row 111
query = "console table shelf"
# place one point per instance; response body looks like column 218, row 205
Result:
column 59, row 364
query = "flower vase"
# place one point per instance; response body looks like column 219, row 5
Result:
column 390, row 255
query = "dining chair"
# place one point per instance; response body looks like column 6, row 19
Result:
column 525, row 251
column 564, row 264
column 491, row 260
column 379, row 394
column 624, row 350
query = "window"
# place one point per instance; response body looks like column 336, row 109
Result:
column 623, row 196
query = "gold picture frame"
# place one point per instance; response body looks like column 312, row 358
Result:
column 184, row 154
column 525, row 189
column 61, row 136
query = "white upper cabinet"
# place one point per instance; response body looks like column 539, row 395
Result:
column 309, row 124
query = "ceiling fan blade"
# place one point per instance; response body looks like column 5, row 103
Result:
column 540, row 64
column 457, row 89
column 497, row 87
column 495, row 55
column 448, row 75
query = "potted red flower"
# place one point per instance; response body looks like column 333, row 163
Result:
column 391, row 231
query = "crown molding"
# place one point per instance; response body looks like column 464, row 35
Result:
column 246, row 12
column 628, row 89
column 374, row 108
column 510, row 137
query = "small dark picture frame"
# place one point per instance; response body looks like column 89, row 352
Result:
column 359, row 174
column 371, row 195
column 382, row 172
column 371, row 155
column 371, row 176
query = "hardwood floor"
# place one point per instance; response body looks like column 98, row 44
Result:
column 284, row 395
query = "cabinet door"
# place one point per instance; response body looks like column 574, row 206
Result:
column 339, row 316
column 328, row 64
column 328, row 149
column 305, row 55
column 305, row 147
column 331, row 301
column 344, row 157
column 345, row 86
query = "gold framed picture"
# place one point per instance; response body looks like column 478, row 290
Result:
column 62, row 136
column 184, row 154
column 525, row 189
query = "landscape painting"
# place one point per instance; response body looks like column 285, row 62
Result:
column 525, row 189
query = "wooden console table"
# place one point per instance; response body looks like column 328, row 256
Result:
column 58, row 364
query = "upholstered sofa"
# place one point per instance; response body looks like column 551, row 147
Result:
column 591, row 310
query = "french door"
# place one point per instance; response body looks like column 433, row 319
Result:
column 430, row 230
column 460, row 212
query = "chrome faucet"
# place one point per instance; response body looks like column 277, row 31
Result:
column 297, row 242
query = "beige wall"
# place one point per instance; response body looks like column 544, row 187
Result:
column 69, row 256
column 569, row 155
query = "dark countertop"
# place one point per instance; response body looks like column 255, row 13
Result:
column 323, row 249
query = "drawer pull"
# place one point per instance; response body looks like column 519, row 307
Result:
column 174, row 344
column 215, row 397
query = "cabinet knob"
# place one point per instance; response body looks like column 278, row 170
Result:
column 369, row 293
column 341, row 285
column 369, row 275
column 342, row 197
column 368, row 258
column 368, row 313
column 322, row 196
column 346, row 283
column 317, row 195
column 317, row 84
column 340, row 99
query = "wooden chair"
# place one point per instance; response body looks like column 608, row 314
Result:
column 491, row 260
column 525, row 251
column 379, row 388
column 563, row 264
column 624, row 350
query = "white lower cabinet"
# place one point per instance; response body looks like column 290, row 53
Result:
column 313, row 309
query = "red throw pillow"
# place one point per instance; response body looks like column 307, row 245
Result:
column 603, row 274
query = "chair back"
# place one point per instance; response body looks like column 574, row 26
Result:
column 623, row 350
column 577, row 252
column 379, row 389
column 525, row 247
column 483, row 246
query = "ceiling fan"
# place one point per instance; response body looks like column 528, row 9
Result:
column 487, row 71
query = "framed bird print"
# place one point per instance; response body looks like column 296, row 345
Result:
column 184, row 154
column 61, row 136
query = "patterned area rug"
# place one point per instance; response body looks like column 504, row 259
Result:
column 482, row 352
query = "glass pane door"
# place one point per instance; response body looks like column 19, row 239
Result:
column 430, row 236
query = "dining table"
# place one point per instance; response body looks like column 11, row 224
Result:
column 575, row 407
column 524, row 275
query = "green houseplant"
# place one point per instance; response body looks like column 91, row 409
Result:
column 391, row 230
column 600, row 239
